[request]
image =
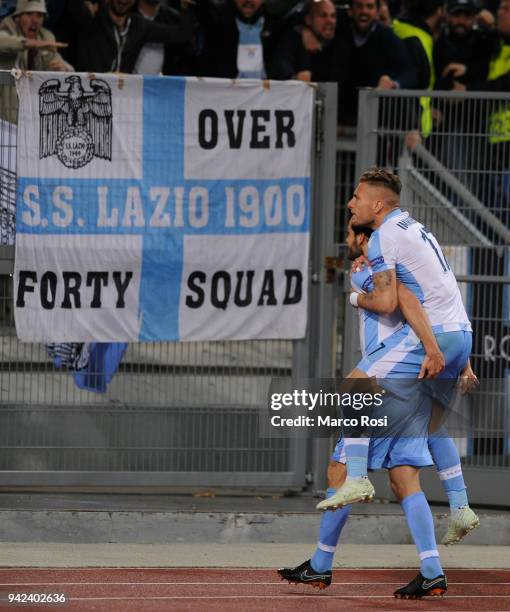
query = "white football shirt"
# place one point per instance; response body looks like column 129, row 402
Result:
column 374, row 328
column 405, row 245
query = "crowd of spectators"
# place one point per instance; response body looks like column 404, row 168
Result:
column 409, row 44
column 390, row 44
column 413, row 44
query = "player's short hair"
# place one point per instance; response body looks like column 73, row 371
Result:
column 381, row 177
column 362, row 229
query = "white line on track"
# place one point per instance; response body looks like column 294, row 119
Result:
column 233, row 569
column 207, row 583
column 278, row 597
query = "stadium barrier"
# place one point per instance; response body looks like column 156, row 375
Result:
column 186, row 413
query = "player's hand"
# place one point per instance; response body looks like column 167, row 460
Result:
column 432, row 365
column 358, row 264
column 468, row 380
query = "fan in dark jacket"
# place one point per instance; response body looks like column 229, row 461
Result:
column 293, row 60
column 463, row 48
column 158, row 58
column 370, row 55
column 239, row 38
column 110, row 38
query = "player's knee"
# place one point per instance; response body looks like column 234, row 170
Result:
column 336, row 474
column 404, row 481
column 397, row 488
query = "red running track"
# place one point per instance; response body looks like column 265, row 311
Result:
column 240, row 590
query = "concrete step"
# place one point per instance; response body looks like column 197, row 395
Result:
column 166, row 519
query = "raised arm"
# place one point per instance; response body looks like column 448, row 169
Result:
column 179, row 33
column 81, row 13
column 414, row 314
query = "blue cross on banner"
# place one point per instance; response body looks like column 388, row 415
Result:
column 156, row 208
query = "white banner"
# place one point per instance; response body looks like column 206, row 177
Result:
column 161, row 208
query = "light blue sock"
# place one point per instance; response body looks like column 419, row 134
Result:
column 356, row 457
column 421, row 526
column 332, row 524
column 447, row 460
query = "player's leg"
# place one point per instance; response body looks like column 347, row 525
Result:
column 317, row 571
column 396, row 351
column 456, row 346
column 356, row 449
column 447, row 461
column 332, row 523
column 430, row 581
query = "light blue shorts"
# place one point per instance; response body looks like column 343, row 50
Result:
column 404, row 441
column 390, row 452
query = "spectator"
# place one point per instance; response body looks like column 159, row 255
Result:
column 498, row 73
column 369, row 55
column 111, row 36
column 462, row 52
column 419, row 25
column 25, row 44
column 239, row 38
column 305, row 57
column 463, row 49
column 158, row 58
column 495, row 189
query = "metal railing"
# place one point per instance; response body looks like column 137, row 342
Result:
column 185, row 413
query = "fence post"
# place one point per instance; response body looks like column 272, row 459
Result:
column 366, row 144
column 322, row 313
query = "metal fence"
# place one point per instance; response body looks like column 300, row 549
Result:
column 186, row 414
column 176, row 413
column 457, row 182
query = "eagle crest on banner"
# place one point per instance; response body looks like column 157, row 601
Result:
column 75, row 124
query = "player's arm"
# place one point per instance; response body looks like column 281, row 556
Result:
column 384, row 298
column 414, row 314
